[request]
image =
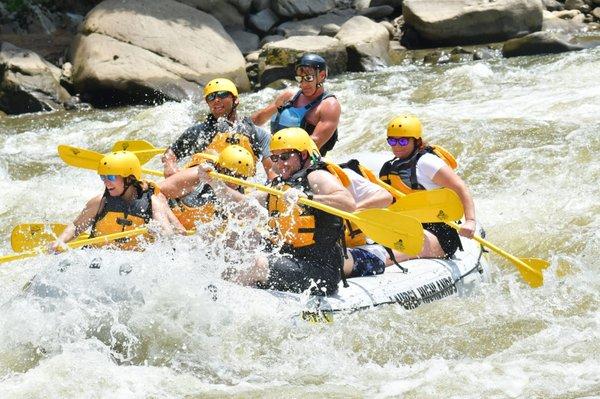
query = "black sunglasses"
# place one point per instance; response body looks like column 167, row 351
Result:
column 220, row 94
column 284, row 157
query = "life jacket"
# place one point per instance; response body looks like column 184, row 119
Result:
column 197, row 206
column 402, row 174
column 243, row 134
column 290, row 116
column 116, row 216
column 301, row 227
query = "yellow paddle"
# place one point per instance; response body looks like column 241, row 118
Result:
column 27, row 236
column 77, row 244
column 530, row 268
column 87, row 159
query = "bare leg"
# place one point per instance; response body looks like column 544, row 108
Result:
column 431, row 249
column 348, row 264
column 259, row 272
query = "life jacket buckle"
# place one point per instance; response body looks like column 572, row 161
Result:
column 124, row 222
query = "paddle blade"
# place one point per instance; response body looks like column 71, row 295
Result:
column 533, row 277
column 391, row 229
column 79, row 157
column 429, row 206
column 536, row 263
column 144, row 150
column 28, row 236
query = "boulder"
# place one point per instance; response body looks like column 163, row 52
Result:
column 259, row 5
column 312, row 26
column 302, row 8
column 471, row 21
column 567, row 21
column 376, row 13
column 537, row 43
column 115, row 59
column 366, row 42
column 553, row 5
column 270, row 39
column 396, row 52
column 243, row 6
column 596, row 13
column 247, row 42
column 391, row 3
column 227, row 13
column 263, row 20
column 277, row 59
column 577, row 5
column 28, row 83
column 329, row 30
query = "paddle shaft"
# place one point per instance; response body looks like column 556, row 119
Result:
column 79, row 243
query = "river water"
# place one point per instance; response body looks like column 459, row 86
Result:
column 526, row 134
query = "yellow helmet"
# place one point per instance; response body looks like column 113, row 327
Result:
column 404, row 126
column 294, row 138
column 220, row 84
column 237, row 159
column 120, row 163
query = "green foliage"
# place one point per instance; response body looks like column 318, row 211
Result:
column 15, row 5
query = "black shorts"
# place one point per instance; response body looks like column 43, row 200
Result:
column 448, row 237
column 320, row 274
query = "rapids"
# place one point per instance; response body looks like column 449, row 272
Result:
column 526, row 133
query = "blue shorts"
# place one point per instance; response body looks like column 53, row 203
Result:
column 365, row 263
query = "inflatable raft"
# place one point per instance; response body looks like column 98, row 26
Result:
column 423, row 281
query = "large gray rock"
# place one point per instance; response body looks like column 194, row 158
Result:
column 567, row 21
column 264, row 20
column 302, row 8
column 312, row 26
column 537, row 43
column 227, row 13
column 278, row 58
column 115, row 59
column 247, row 42
column 366, row 42
column 471, row 21
column 28, row 83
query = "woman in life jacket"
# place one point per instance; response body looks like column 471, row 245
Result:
column 199, row 205
column 308, row 253
column 417, row 166
column 126, row 204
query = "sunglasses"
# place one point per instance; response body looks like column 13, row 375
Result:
column 220, row 94
column 306, row 78
column 111, row 178
column 401, row 141
column 284, row 157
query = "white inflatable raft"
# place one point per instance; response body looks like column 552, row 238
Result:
column 426, row 280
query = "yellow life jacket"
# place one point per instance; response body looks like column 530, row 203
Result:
column 221, row 140
column 117, row 216
column 402, row 174
column 301, row 226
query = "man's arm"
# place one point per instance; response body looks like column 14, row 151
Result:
column 184, row 145
column 328, row 119
column 328, row 190
column 262, row 116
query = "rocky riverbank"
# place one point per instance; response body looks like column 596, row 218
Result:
column 59, row 54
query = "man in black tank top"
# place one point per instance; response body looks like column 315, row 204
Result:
column 310, row 108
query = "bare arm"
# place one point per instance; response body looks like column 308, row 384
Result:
column 446, row 177
column 262, row 116
column 329, row 191
column 162, row 213
column 378, row 198
column 268, row 165
column 180, row 184
column 81, row 223
column 328, row 120
column 169, row 160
